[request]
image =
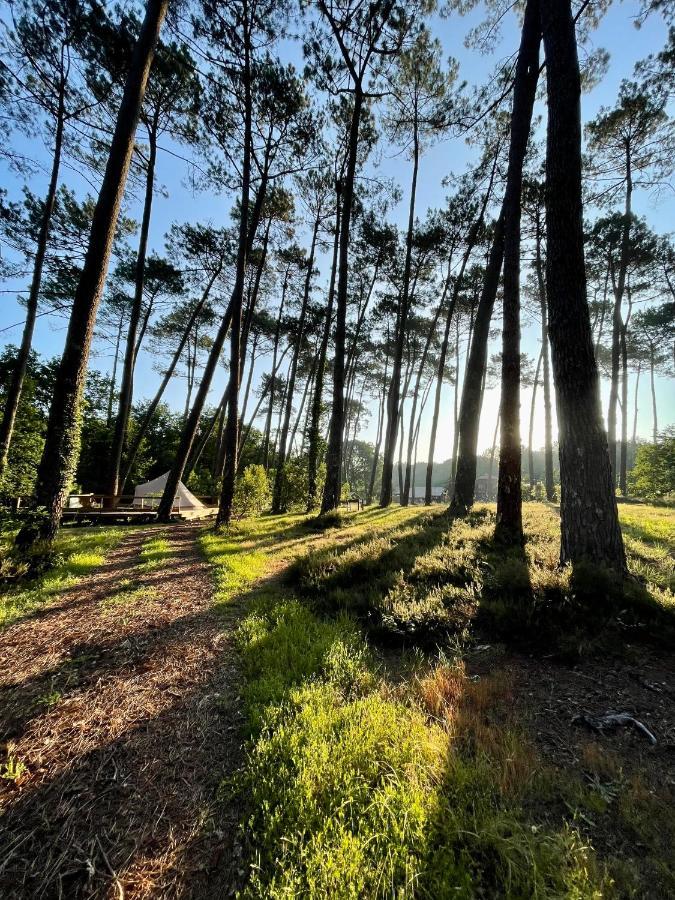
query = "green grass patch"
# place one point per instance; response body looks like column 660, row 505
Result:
column 154, row 553
column 78, row 551
column 129, row 592
column 358, row 789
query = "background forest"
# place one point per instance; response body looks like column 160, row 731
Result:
column 429, row 171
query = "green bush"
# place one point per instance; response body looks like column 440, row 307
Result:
column 653, row 475
column 252, row 494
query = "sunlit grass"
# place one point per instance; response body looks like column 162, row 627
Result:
column 80, row 551
column 154, row 553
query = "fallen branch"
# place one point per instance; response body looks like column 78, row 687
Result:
column 611, row 720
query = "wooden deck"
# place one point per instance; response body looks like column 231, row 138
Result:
column 130, row 516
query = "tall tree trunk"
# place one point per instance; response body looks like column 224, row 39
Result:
column 249, row 380
column 409, row 477
column 548, row 423
column 455, row 416
column 623, row 453
column 492, row 456
column 21, row 365
column 471, row 242
column 472, row 390
column 380, row 430
column 332, row 488
column 509, row 527
column 635, row 404
column 317, row 396
column 589, row 517
column 279, row 474
column 652, row 366
column 112, row 480
column 275, row 351
column 113, row 375
column 63, row 430
column 530, row 450
column 232, row 423
column 393, row 399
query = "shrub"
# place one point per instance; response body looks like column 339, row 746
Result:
column 653, row 475
column 252, row 493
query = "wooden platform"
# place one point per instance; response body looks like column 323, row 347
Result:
column 122, row 516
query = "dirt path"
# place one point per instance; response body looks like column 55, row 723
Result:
column 121, row 700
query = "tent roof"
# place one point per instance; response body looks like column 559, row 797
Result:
column 157, row 485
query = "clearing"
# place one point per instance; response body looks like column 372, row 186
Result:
column 386, row 706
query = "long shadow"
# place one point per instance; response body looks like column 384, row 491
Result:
column 143, row 805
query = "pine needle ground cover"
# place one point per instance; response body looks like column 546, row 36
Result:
column 391, row 753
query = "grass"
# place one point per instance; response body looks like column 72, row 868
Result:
column 130, row 591
column 414, row 779
column 154, row 553
column 78, row 552
column 424, row 578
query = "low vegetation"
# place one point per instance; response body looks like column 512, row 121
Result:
column 373, row 773
column 75, row 553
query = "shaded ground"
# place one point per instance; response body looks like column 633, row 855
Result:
column 121, row 701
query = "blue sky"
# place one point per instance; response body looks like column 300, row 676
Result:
column 617, row 34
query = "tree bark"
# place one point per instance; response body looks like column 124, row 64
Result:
column 63, row 430
column 509, row 526
column 652, row 366
column 21, row 365
column 317, row 396
column 635, row 404
column 548, row 424
column 232, row 423
column 393, row 399
column 333, row 487
column 589, row 517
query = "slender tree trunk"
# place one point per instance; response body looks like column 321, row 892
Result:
column 277, row 494
column 175, row 359
column 652, row 365
column 400, row 455
column 509, row 527
column 333, row 487
column 232, row 423
column 492, row 456
column 189, row 432
column 63, row 430
column 18, row 376
column 275, row 351
column 393, row 400
column 548, row 423
column 416, row 392
column 623, row 453
column 113, row 486
column 247, row 391
column 471, row 241
column 635, row 405
column 530, row 451
column 380, row 430
column 455, row 416
column 113, row 375
column 589, row 517
column 317, row 397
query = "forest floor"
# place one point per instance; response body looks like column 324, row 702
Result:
column 120, row 716
column 389, row 706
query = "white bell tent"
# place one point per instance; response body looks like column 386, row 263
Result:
column 148, row 495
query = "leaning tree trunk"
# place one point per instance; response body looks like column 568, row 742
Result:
column 189, row 432
column 589, row 517
column 509, row 526
column 232, row 422
column 635, row 404
column 21, row 365
column 393, row 399
column 62, row 442
column 332, row 488
column 127, row 385
column 175, row 359
column 623, row 451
